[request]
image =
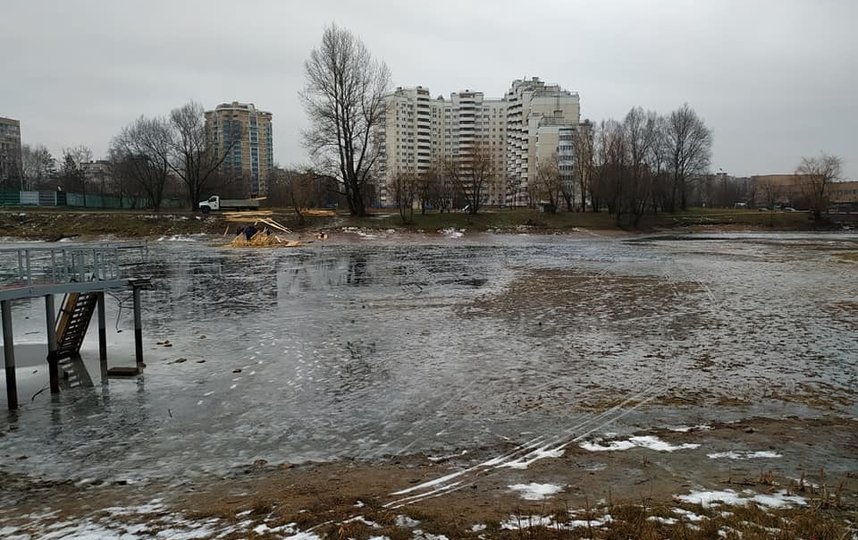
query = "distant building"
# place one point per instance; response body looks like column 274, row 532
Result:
column 778, row 190
column 244, row 134
column 11, row 167
column 533, row 122
column 844, row 195
column 98, row 176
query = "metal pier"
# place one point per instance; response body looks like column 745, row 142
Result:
column 83, row 274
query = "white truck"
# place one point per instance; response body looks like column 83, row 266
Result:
column 216, row 203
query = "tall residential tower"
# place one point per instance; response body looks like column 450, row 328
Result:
column 534, row 122
column 10, row 151
column 244, row 133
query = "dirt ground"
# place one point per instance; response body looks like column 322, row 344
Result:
column 637, row 487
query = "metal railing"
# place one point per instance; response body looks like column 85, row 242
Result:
column 28, row 266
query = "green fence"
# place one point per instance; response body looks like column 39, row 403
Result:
column 78, row 200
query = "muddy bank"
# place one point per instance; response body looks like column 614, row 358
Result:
column 749, row 478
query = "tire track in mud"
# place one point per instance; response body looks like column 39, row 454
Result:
column 524, row 455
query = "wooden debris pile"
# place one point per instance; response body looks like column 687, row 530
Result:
column 261, row 234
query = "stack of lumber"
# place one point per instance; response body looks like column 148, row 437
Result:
column 264, row 237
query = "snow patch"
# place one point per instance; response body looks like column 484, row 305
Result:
column 452, row 233
column 686, row 429
column 650, row 442
column 773, row 500
column 743, row 454
column 529, row 458
column 534, row 491
column 405, row 521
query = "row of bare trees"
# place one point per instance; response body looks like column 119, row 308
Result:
column 645, row 163
column 148, row 152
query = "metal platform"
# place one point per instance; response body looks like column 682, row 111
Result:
column 83, row 273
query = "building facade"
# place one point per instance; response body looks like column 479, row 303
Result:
column 537, row 114
column 243, row 133
column 533, row 121
column 11, row 169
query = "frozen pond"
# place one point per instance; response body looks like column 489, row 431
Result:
column 364, row 349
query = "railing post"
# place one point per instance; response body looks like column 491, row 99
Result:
column 29, row 269
column 9, row 354
column 53, row 362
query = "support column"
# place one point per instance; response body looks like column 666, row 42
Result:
column 102, row 329
column 9, row 353
column 138, row 328
column 53, row 362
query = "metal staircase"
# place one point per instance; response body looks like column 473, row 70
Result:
column 75, row 316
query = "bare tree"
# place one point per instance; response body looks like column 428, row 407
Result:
column 472, row 173
column 72, row 176
column 141, row 154
column 192, row 158
column 344, row 99
column 440, row 187
column 404, row 187
column 547, row 186
column 689, row 144
column 771, row 192
column 817, row 175
column 582, row 167
column 38, row 165
column 641, row 133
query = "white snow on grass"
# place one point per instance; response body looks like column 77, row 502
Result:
column 596, row 522
column 666, row 521
column 531, row 457
column 361, row 519
column 525, row 522
column 534, row 491
column 743, row 454
column 650, row 442
column 515, row 523
column 686, row 429
column 772, row 500
column 688, row 515
column 405, row 521
column 452, row 233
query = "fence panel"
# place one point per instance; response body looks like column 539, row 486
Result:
column 47, row 198
column 30, row 198
column 10, row 198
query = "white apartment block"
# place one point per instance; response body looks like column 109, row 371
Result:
column 516, row 131
column 539, row 117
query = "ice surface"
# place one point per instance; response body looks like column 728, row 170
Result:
column 371, row 349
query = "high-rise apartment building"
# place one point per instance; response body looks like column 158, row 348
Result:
column 10, row 150
column 539, row 118
column 533, row 122
column 244, row 134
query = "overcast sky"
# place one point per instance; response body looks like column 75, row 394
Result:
column 775, row 80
